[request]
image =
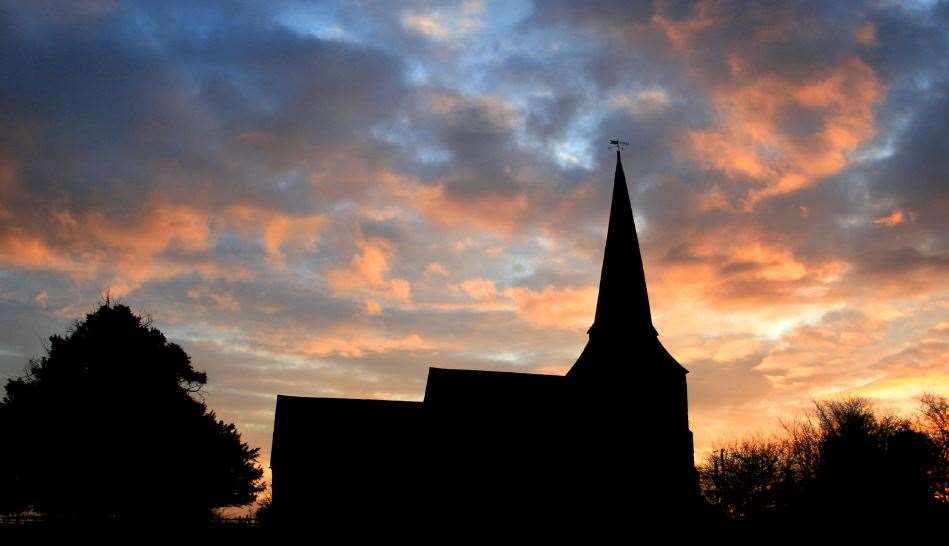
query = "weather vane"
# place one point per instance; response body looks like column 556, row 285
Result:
column 617, row 144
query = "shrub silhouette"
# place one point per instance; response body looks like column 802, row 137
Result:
column 110, row 424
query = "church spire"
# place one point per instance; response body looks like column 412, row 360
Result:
column 622, row 305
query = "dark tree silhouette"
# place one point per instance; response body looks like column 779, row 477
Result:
column 844, row 462
column 934, row 422
column 110, row 423
column 12, row 494
column 870, row 465
column 743, row 479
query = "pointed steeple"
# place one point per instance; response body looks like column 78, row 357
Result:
column 622, row 306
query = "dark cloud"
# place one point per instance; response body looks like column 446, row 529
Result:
column 190, row 105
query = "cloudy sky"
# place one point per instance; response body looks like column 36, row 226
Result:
column 321, row 198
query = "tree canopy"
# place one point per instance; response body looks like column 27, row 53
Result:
column 111, row 422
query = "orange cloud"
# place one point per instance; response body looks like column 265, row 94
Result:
column 479, row 289
column 367, row 274
column 26, row 251
column 646, row 101
column 895, row 218
column 493, row 212
column 223, row 300
column 400, row 289
column 91, row 245
column 158, row 229
column 369, row 266
column 279, row 232
column 827, row 349
column 562, row 308
column 901, row 377
column 740, row 268
column 373, row 308
column 446, row 24
column 720, row 348
column 682, row 32
column 355, row 345
column 554, row 307
column 131, row 252
column 427, row 26
column 436, row 268
column 727, row 155
column 752, row 141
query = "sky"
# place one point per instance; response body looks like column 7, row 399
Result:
column 327, row 198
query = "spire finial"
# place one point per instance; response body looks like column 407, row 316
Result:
column 618, row 145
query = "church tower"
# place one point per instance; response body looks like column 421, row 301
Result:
column 628, row 388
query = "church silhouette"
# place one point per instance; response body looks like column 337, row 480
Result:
column 608, row 440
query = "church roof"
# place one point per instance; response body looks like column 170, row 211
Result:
column 481, row 387
column 302, row 424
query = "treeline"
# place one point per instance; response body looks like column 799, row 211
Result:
column 844, row 461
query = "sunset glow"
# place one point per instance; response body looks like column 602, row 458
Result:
column 325, row 199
